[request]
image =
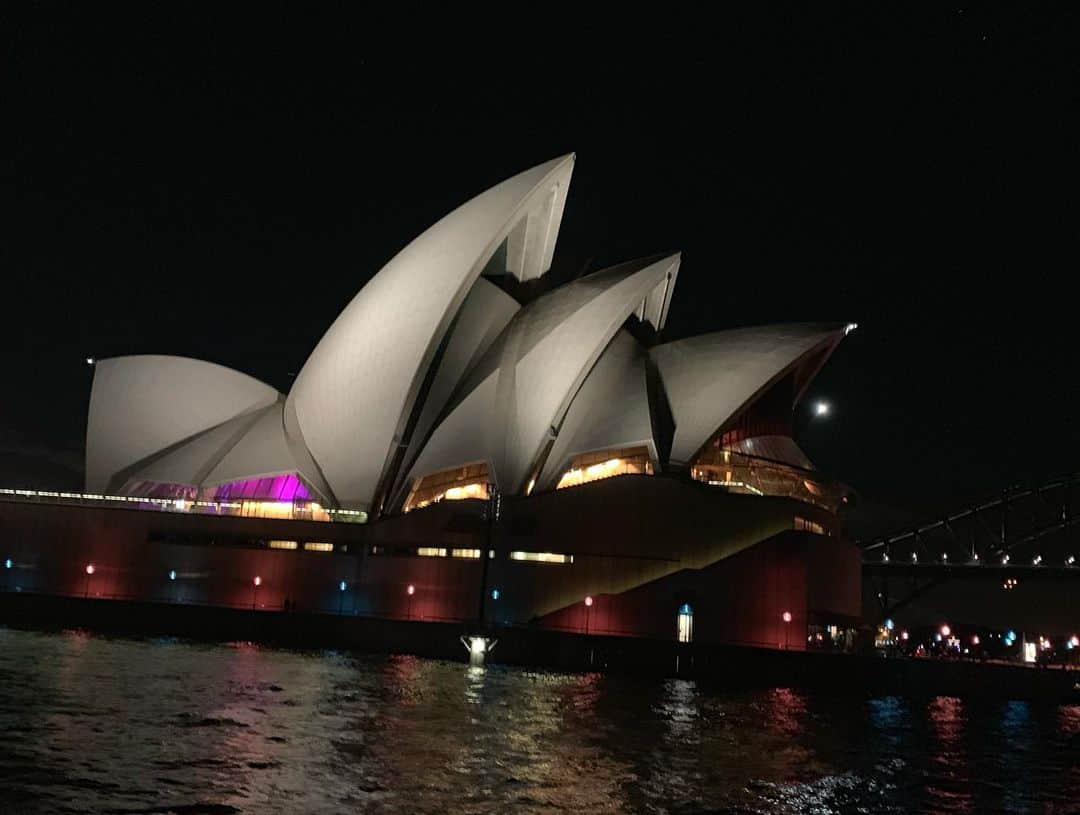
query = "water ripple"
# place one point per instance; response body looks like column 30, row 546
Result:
column 94, row 724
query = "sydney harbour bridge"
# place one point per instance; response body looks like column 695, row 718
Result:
column 1009, row 560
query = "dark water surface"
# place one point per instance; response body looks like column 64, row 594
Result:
column 91, row 724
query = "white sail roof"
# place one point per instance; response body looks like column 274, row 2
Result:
column 142, row 405
column 519, row 393
column 710, row 377
column 355, row 396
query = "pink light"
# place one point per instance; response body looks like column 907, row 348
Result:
column 89, row 568
column 273, row 488
column 257, row 581
column 945, row 631
column 786, row 616
column 904, row 635
column 411, row 590
column 588, row 600
column 974, row 639
column 1075, row 640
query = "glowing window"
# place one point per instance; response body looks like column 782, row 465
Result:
column 595, row 466
column 282, row 544
column 542, row 557
column 685, row 623
column 468, row 553
column 315, row 546
column 455, row 484
column 431, row 551
column 805, row 525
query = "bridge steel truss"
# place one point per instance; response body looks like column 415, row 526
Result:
column 1029, row 531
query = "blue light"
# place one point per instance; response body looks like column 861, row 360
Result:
column 937, row 637
column 889, row 624
column 1010, row 637
column 685, row 609
column 342, row 585
column 172, row 574
column 8, row 564
column 494, row 594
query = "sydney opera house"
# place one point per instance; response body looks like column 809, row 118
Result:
column 467, row 429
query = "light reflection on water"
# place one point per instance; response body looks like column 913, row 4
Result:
column 110, row 725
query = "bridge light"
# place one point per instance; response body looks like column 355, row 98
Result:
column 342, row 586
column 821, row 408
column 786, row 616
column 945, row 630
column 849, row 328
column 588, row 600
column 90, row 568
column 1074, row 641
column 172, row 574
column 8, row 564
column 904, row 635
column 914, row 557
column 889, row 624
column 411, row 590
column 494, row 594
column 1004, row 559
column 944, row 557
column 974, row 639
column 885, row 557
column 257, row 581
column 1070, row 560
column 1036, row 560
column 90, row 360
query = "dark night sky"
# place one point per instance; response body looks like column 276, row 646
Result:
column 182, row 183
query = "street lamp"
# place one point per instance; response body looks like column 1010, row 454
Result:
column 341, row 596
column 410, row 590
column 89, row 571
column 786, row 617
column 255, row 583
column 821, row 409
column 588, row 608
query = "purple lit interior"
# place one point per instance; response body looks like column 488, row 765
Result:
column 276, row 488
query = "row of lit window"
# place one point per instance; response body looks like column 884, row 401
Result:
column 282, row 508
column 476, row 554
column 437, row 551
column 309, row 546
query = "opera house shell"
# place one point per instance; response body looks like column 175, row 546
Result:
column 534, row 452
column 458, row 371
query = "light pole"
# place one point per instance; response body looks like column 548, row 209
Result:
column 89, row 571
column 588, row 608
column 786, row 617
column 341, row 596
column 411, row 590
column 255, row 583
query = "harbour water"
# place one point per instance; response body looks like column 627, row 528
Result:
column 111, row 725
